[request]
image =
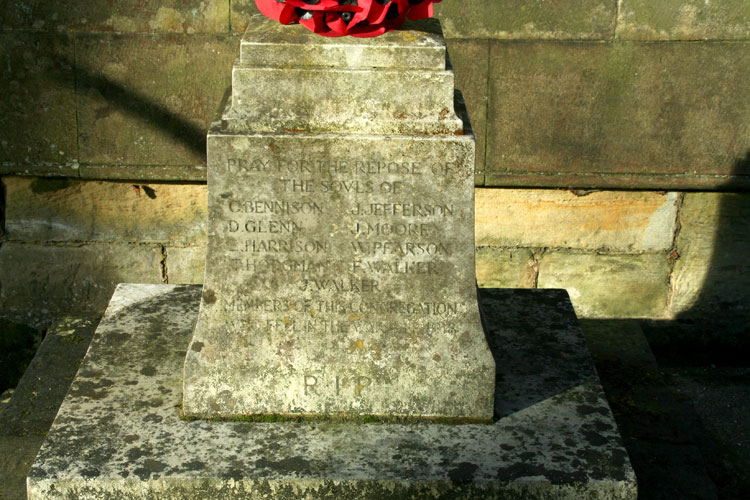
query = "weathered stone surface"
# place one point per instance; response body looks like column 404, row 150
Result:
column 42, row 388
column 374, row 87
column 115, row 435
column 621, row 345
column 505, row 267
column 613, row 221
column 26, row 418
column 684, row 19
column 307, row 237
column 183, row 173
column 418, row 46
column 16, row 456
column 467, row 58
column 588, row 19
column 241, row 13
column 545, row 19
column 160, row 16
column 584, row 114
column 46, row 210
column 186, row 265
column 609, row 286
column 372, row 105
column 712, row 271
column 37, row 110
column 339, row 272
column 57, row 279
column 146, row 100
column 652, row 410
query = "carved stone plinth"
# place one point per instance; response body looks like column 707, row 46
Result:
column 340, row 263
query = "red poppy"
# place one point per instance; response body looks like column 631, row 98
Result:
column 361, row 18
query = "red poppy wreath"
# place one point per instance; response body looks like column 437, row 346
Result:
column 361, row 18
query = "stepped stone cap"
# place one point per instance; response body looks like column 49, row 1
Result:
column 290, row 79
column 419, row 45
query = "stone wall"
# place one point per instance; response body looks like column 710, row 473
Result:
column 613, row 142
column 622, row 254
column 631, row 94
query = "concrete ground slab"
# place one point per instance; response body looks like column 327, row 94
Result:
column 119, row 435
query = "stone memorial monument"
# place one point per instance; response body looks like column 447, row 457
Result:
column 340, row 263
column 336, row 348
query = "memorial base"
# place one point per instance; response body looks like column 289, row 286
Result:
column 119, row 435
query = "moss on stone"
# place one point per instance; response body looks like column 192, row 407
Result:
column 337, row 418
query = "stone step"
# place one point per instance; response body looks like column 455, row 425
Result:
column 26, row 418
column 119, row 433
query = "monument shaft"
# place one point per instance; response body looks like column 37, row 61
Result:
column 340, row 265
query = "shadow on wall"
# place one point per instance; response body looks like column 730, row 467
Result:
column 139, row 106
column 713, row 326
column 33, row 295
column 2, row 213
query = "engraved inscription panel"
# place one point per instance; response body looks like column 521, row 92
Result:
column 340, row 278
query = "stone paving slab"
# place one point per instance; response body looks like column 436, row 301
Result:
column 118, row 434
column 26, row 418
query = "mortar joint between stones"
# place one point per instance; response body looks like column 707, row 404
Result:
column 163, row 263
column 673, row 254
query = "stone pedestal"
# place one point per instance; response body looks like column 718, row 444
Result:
column 339, row 285
column 340, row 263
column 119, row 435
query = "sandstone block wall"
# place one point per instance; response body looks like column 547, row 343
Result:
column 613, row 147
column 68, row 242
column 621, row 254
column 609, row 94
